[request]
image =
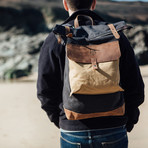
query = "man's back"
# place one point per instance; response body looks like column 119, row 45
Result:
column 126, row 70
column 50, row 91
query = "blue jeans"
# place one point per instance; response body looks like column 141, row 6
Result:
column 100, row 138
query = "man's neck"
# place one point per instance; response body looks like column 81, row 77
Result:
column 70, row 12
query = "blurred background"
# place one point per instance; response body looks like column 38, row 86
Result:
column 24, row 25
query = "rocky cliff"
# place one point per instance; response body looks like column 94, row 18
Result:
column 24, row 25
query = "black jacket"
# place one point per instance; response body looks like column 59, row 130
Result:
column 50, row 85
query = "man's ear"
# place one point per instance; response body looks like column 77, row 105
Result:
column 93, row 5
column 65, row 5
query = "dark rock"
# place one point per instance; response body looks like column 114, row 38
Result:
column 19, row 55
column 35, row 48
column 28, row 20
column 17, row 73
column 143, row 58
column 138, row 37
column 58, row 13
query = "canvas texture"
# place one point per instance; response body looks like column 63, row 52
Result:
column 91, row 76
column 84, row 79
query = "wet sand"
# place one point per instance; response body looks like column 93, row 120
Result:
column 24, row 125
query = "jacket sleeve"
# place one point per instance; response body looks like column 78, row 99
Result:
column 49, row 79
column 131, row 81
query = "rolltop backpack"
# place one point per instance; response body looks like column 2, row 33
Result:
column 91, row 76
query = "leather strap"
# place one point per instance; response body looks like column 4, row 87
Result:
column 68, row 34
column 59, row 39
column 93, row 59
column 67, row 29
column 76, row 21
column 114, row 31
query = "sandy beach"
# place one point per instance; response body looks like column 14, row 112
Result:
column 24, row 125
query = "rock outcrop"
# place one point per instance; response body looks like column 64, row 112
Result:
column 138, row 37
column 19, row 54
column 24, row 29
column 26, row 20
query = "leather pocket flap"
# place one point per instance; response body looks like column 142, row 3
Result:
column 104, row 52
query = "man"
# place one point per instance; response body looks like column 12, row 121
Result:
column 97, row 132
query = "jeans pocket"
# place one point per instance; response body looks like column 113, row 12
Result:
column 68, row 144
column 118, row 143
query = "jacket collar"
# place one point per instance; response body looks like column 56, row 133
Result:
column 87, row 12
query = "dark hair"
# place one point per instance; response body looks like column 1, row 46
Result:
column 79, row 4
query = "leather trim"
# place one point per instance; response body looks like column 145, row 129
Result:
column 114, row 31
column 84, row 104
column 100, row 53
column 59, row 39
column 67, row 30
column 78, row 116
